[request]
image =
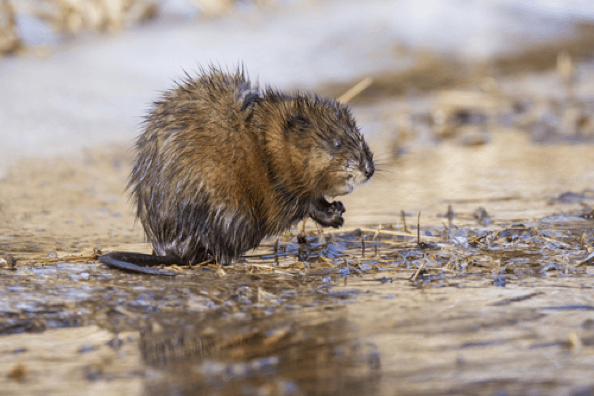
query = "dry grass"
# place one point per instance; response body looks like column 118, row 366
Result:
column 9, row 41
column 544, row 57
column 434, row 73
column 430, row 73
column 76, row 16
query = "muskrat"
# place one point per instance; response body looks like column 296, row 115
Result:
column 222, row 164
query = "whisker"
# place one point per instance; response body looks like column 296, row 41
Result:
column 380, row 172
column 320, row 178
column 383, row 176
column 327, row 172
column 387, row 154
column 382, row 153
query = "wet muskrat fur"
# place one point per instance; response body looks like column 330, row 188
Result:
column 223, row 164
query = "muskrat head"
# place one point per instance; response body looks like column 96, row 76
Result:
column 335, row 153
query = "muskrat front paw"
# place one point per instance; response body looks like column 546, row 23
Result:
column 337, row 207
column 336, row 222
column 328, row 214
column 327, row 219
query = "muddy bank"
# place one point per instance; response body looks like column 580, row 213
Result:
column 496, row 300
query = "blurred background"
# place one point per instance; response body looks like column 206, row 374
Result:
column 78, row 73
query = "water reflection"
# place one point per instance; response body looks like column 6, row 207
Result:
column 313, row 353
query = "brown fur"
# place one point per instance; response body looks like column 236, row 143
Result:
column 223, row 164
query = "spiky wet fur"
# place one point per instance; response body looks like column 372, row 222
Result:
column 223, row 164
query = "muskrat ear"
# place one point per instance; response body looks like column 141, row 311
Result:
column 298, row 121
column 249, row 99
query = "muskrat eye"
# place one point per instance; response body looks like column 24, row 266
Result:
column 337, row 144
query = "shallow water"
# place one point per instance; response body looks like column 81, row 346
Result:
column 493, row 303
column 508, row 174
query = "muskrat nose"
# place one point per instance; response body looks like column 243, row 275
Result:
column 369, row 169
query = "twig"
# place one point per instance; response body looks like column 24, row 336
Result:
column 419, row 229
column 355, row 90
column 403, row 220
column 63, row 259
column 414, row 277
column 321, row 238
column 586, row 260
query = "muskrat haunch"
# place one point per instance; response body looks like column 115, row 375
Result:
column 222, row 164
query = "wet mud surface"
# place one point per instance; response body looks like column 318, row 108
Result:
column 496, row 297
column 464, row 267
